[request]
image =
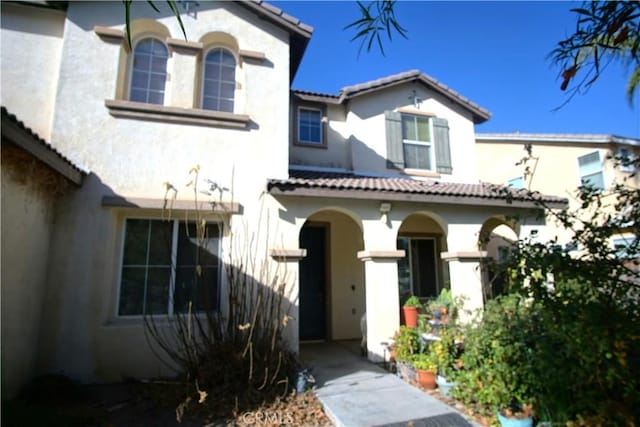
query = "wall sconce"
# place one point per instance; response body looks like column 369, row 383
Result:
column 385, row 208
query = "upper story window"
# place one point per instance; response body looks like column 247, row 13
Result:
column 417, row 142
column 148, row 72
column 626, row 159
column 590, row 169
column 309, row 125
column 159, row 268
column 219, row 78
column 517, row 183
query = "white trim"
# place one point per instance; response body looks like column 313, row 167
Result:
column 430, row 143
column 298, row 137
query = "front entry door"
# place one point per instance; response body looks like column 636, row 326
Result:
column 312, row 283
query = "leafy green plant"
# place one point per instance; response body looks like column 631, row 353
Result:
column 447, row 350
column 406, row 343
column 413, row 301
column 497, row 358
column 425, row 361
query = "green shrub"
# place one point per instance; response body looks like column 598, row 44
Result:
column 406, row 343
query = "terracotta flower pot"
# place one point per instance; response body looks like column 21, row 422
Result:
column 426, row 379
column 411, row 316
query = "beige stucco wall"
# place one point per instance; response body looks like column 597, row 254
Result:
column 347, row 304
column 555, row 172
column 27, row 217
column 134, row 158
column 461, row 227
column 31, row 44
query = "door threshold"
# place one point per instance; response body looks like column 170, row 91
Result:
column 312, row 341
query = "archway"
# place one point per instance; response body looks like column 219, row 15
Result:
column 498, row 237
column 332, row 282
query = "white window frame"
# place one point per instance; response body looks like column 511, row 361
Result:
column 203, row 74
column 430, row 144
column 630, row 155
column 580, row 176
column 132, row 55
column 299, row 135
column 174, row 259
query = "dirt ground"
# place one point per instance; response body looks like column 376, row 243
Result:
column 56, row 401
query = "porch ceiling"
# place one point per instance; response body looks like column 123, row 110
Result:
column 351, row 186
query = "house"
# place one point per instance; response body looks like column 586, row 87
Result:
column 559, row 164
column 358, row 196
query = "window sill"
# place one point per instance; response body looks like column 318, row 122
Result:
column 189, row 116
column 421, row 172
column 310, row 144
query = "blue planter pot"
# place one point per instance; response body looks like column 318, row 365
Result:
column 514, row 422
column 445, row 386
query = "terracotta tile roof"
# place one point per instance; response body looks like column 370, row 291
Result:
column 16, row 132
column 480, row 114
column 379, row 187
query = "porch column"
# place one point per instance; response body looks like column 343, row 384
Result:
column 383, row 315
column 466, row 280
column 288, row 266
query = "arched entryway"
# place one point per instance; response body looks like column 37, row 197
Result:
column 332, row 284
column 498, row 237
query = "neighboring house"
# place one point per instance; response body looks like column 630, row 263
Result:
column 36, row 179
column 365, row 194
column 559, row 164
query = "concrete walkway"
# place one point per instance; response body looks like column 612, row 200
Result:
column 355, row 392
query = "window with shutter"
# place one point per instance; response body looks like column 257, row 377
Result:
column 417, row 142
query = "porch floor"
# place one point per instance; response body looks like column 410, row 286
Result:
column 356, row 392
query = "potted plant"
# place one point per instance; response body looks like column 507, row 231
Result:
column 410, row 309
column 446, row 351
column 426, row 368
column 516, row 415
column 440, row 308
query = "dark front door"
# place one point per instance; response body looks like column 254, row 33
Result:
column 312, row 283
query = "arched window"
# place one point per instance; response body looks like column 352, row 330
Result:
column 148, row 72
column 219, row 80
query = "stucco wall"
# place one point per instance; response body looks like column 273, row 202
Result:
column 31, row 43
column 26, row 230
column 366, row 124
column 556, row 172
column 347, row 290
column 134, row 158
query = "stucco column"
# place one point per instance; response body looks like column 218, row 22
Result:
column 288, row 265
column 466, row 280
column 383, row 316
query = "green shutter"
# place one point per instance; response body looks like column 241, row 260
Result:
column 395, row 156
column 443, row 151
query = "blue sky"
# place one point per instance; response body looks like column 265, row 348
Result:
column 494, row 53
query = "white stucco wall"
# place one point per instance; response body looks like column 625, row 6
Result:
column 134, row 158
column 31, row 44
column 366, row 124
column 27, row 217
